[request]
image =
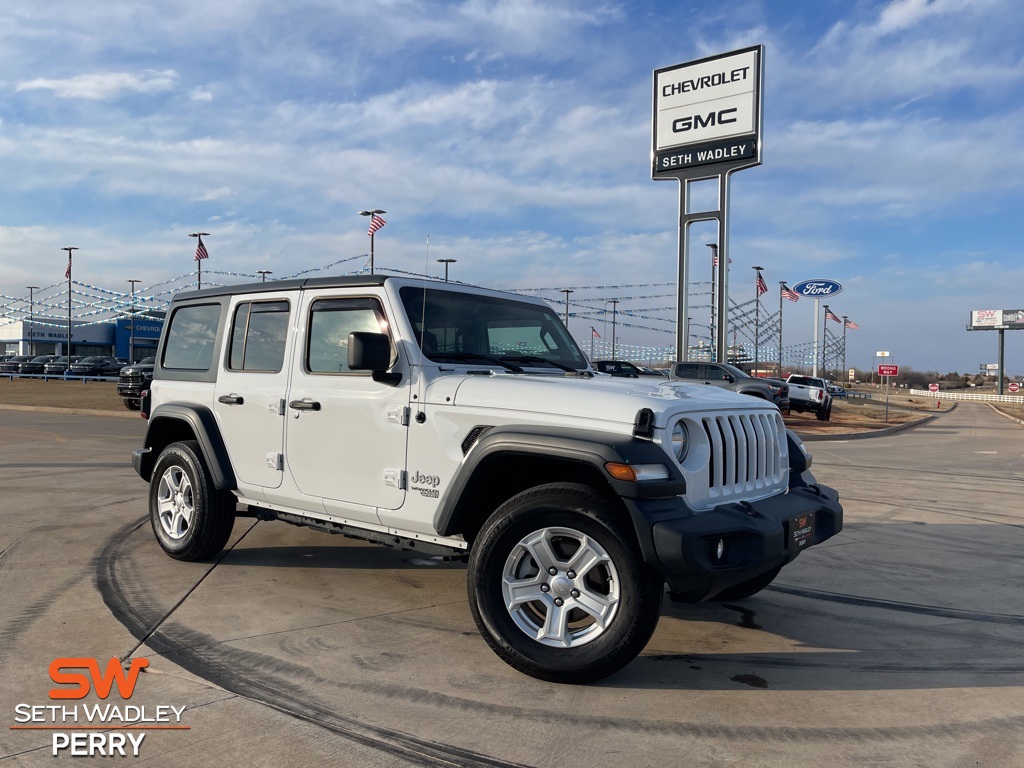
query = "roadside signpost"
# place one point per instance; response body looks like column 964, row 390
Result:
column 933, row 387
column 1014, row 387
column 885, row 372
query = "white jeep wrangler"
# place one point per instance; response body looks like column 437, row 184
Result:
column 464, row 422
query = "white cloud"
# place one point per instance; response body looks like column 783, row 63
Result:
column 201, row 94
column 103, row 86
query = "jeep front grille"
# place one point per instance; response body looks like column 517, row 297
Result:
column 746, row 453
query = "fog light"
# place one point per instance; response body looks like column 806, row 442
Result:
column 720, row 549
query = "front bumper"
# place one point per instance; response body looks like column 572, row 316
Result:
column 756, row 537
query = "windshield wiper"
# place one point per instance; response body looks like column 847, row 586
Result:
column 537, row 359
column 467, row 356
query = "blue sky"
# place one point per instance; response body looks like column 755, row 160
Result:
column 516, row 135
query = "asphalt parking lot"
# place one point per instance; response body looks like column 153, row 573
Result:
column 896, row 643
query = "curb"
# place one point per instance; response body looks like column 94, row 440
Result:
column 76, row 411
column 876, row 433
column 1005, row 415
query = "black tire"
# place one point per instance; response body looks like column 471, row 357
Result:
column 564, row 514
column 749, row 587
column 191, row 518
column 132, row 404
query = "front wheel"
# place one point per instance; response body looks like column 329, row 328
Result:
column 191, row 518
column 557, row 587
column 132, row 404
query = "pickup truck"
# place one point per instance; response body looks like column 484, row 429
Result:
column 808, row 393
column 733, row 378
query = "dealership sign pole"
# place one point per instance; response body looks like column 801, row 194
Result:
column 997, row 320
column 706, row 125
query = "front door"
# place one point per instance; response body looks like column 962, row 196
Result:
column 346, row 434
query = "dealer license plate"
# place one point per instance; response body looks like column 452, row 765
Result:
column 801, row 530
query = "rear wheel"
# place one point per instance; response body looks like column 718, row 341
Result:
column 191, row 518
column 557, row 586
column 132, row 404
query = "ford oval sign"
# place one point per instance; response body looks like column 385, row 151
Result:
column 817, row 289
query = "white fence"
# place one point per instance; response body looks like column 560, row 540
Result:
column 946, row 395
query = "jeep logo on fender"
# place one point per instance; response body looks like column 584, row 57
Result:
column 430, row 480
column 817, row 288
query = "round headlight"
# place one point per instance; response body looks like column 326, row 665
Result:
column 680, row 439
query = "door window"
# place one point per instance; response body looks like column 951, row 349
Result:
column 258, row 335
column 330, row 323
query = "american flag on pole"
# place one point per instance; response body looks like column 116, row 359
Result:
column 376, row 222
column 852, row 325
column 830, row 315
column 67, row 272
column 789, row 293
column 594, row 331
column 201, row 252
column 762, row 286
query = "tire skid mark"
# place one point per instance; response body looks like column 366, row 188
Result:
column 18, row 624
column 258, row 677
column 893, row 605
column 287, row 687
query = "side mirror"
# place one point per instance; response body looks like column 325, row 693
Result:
column 371, row 352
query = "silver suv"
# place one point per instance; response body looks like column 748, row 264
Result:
column 467, row 423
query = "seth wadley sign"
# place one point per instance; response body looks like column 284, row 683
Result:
column 706, row 112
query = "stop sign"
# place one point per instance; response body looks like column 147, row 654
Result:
column 933, row 387
column 1014, row 386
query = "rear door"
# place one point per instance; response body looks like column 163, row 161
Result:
column 251, row 385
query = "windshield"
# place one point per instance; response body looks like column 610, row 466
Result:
column 736, row 372
column 469, row 328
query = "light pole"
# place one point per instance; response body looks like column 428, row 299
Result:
column 446, row 262
column 131, row 342
column 824, row 342
column 757, row 315
column 201, row 253
column 567, row 291
column 376, row 222
column 263, row 273
column 31, row 318
column 615, row 306
column 714, row 273
column 67, row 274
column 844, row 373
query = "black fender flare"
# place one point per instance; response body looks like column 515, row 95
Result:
column 578, row 446
column 165, row 427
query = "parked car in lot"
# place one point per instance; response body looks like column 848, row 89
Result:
column 730, row 377
column 134, row 382
column 12, row 365
column 809, row 393
column 35, row 365
column 59, row 365
column 95, row 366
column 626, row 370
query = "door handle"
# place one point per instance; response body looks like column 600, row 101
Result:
column 304, row 405
column 231, row 399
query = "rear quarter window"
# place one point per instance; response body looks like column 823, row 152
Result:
column 192, row 337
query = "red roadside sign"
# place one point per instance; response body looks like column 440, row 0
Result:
column 888, row 370
column 1014, row 386
column 933, row 387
